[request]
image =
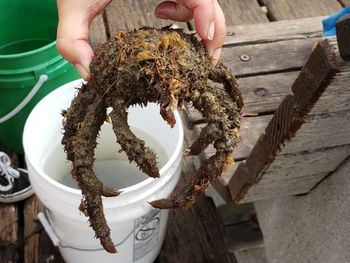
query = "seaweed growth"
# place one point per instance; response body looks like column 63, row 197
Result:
column 170, row 68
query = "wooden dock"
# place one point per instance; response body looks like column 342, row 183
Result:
column 267, row 45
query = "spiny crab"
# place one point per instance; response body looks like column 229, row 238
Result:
column 165, row 66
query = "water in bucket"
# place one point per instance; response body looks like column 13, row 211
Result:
column 137, row 229
column 112, row 168
column 30, row 66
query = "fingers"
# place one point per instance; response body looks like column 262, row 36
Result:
column 208, row 18
column 214, row 46
column 173, row 11
column 73, row 31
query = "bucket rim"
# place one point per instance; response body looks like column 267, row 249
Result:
column 36, row 166
column 30, row 52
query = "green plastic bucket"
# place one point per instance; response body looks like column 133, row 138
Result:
column 30, row 66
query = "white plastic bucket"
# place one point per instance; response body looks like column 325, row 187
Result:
column 136, row 228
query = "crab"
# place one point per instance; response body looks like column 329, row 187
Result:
column 165, row 66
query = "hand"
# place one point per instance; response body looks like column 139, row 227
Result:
column 208, row 18
column 75, row 17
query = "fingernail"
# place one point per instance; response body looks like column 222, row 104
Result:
column 211, row 31
column 217, row 53
column 83, row 71
column 161, row 15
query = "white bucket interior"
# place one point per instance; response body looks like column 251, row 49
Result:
column 48, row 169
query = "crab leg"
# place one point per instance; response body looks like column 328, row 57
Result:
column 216, row 118
column 135, row 148
column 217, row 132
column 74, row 116
column 209, row 170
column 92, row 188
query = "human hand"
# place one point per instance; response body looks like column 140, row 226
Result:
column 208, row 18
column 75, row 17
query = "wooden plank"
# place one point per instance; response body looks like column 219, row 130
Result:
column 97, row 31
column 287, row 187
column 274, row 31
column 321, row 131
column 8, row 233
column 286, row 166
column 263, row 94
column 338, row 91
column 286, row 9
column 343, row 36
column 32, row 230
column 288, row 174
column 197, row 232
column 133, row 14
column 315, row 76
column 268, row 57
column 322, row 161
column 345, row 2
column 286, row 121
column 242, row 12
column 195, row 235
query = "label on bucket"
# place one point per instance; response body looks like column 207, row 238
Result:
column 146, row 233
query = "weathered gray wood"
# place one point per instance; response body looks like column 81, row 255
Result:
column 255, row 254
column 274, row 31
column 269, row 190
column 133, row 14
column 286, row 9
column 32, row 206
column 345, row 2
column 8, row 233
column 336, row 97
column 287, row 166
column 303, row 164
column 315, row 76
column 97, row 32
column 242, row 12
column 321, row 131
column 286, row 120
column 290, row 174
column 263, row 94
column 268, row 57
column 195, row 234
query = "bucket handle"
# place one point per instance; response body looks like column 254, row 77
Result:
column 44, row 219
column 42, row 79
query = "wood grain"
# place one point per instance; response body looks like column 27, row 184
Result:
column 194, row 234
column 286, row 9
column 97, row 32
column 287, row 119
column 321, row 131
column 133, row 14
column 242, row 12
column 345, row 2
column 9, row 251
column 32, row 230
column 290, row 174
column 274, row 31
column 268, row 57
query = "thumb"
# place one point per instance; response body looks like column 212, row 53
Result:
column 72, row 37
